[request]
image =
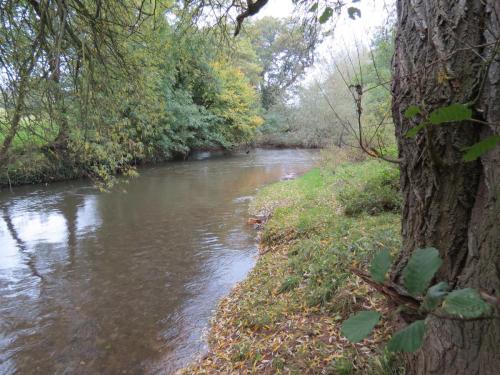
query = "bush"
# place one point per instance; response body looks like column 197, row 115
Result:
column 370, row 187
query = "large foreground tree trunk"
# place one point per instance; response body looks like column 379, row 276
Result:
column 445, row 54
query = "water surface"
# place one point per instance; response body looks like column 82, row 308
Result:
column 126, row 281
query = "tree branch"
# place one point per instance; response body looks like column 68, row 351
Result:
column 252, row 9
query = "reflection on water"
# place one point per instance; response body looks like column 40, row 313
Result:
column 125, row 282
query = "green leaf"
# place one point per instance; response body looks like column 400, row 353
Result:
column 408, row 339
column 465, row 303
column 314, row 7
column 420, row 270
column 453, row 112
column 413, row 131
column 327, row 13
column 412, row 111
column 380, row 265
column 360, row 325
column 354, row 12
column 482, row 147
column 435, row 295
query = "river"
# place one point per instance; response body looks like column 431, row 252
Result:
column 125, row 282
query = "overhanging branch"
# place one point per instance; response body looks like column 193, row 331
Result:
column 252, row 9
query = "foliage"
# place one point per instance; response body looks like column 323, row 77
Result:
column 325, row 16
column 235, row 103
column 453, row 113
column 371, row 187
column 419, row 271
column 465, row 303
column 332, row 7
column 380, row 265
column 284, row 49
column 360, row 325
column 409, row 339
column 323, row 111
column 482, row 147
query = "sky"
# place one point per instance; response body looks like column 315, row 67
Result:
column 347, row 31
column 276, row 8
column 373, row 13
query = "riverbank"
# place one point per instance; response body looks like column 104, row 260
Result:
column 40, row 170
column 289, row 141
column 286, row 316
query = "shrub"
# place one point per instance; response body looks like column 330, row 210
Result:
column 370, row 187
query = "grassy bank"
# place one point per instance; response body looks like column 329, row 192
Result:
column 286, row 316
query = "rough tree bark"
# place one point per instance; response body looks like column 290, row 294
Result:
column 445, row 53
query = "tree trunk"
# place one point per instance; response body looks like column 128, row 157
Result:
column 445, row 54
column 18, row 111
column 15, row 121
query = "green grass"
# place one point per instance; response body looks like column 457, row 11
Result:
column 325, row 241
column 370, row 187
column 32, row 132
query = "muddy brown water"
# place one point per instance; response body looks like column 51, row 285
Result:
column 125, row 282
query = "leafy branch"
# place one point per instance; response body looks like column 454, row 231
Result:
column 423, row 301
column 452, row 113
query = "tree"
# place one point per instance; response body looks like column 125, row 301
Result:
column 324, row 111
column 447, row 52
column 235, row 103
column 285, row 48
column 46, row 45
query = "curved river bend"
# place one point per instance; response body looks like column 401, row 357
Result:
column 126, row 282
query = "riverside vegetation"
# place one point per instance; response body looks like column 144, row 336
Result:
column 286, row 316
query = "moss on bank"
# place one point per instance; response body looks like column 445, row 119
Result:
column 286, row 316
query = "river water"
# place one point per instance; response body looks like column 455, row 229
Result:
column 125, row 282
